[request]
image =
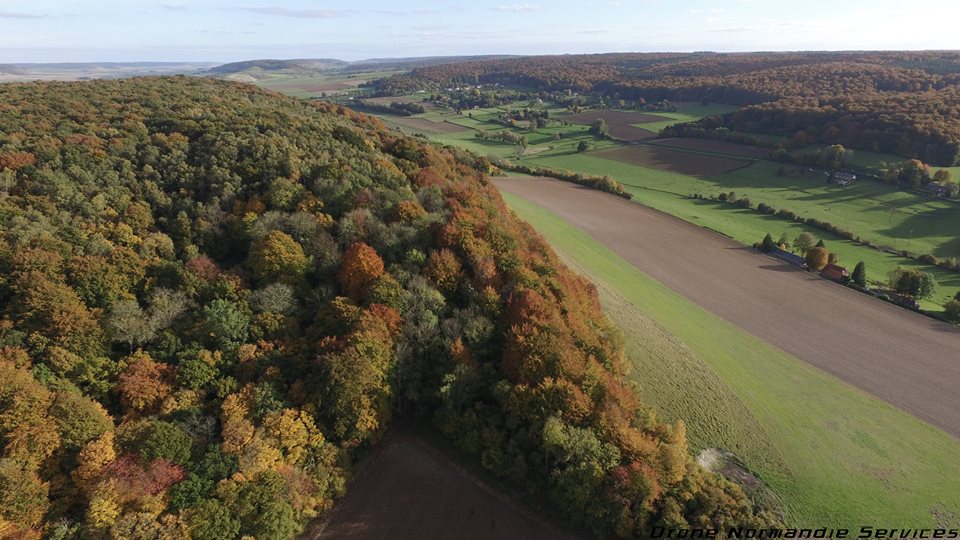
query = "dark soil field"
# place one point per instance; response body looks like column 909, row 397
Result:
column 904, row 358
column 407, row 489
column 420, row 124
column 676, row 161
column 619, row 122
column 717, row 147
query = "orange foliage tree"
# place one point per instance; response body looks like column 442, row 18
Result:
column 361, row 265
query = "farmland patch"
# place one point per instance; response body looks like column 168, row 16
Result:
column 676, row 161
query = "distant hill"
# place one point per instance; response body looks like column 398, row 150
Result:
column 67, row 71
column 330, row 64
column 320, row 64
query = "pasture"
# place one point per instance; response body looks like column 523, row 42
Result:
column 686, row 112
column 835, row 455
column 671, row 193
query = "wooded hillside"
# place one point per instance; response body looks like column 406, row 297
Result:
column 213, row 296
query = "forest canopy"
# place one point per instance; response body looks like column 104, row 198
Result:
column 213, row 296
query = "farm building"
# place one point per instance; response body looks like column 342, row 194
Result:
column 834, row 272
column 786, row 256
column 844, row 178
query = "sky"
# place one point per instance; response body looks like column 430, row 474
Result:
column 232, row 30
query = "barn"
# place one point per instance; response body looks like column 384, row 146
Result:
column 786, row 256
column 834, row 272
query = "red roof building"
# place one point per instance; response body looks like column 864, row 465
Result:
column 834, row 272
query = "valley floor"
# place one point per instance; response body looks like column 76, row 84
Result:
column 693, row 306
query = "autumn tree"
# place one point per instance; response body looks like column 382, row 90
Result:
column 277, row 257
column 145, row 384
column 361, row 266
column 444, row 269
column 816, row 258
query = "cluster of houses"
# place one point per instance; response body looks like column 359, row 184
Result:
column 830, row 271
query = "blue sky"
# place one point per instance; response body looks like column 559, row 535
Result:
column 229, row 30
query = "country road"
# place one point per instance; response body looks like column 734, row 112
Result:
column 901, row 357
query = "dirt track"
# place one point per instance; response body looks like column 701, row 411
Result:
column 904, row 358
column 408, row 489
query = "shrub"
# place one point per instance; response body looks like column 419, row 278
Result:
column 951, row 310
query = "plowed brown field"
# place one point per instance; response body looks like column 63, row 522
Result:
column 676, row 161
column 420, row 124
column 618, row 122
column 407, row 489
column 719, row 147
column 904, row 358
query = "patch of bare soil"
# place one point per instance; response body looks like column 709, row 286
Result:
column 407, row 489
column 619, row 123
column 676, row 161
column 718, row 147
column 421, row 124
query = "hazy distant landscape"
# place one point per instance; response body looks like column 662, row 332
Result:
column 459, row 271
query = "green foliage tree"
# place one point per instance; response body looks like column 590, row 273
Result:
column 79, row 419
column 951, row 310
column 599, row 128
column 913, row 282
column 803, row 242
column 226, row 323
column 767, row 244
column 166, row 440
column 211, row 520
column 262, row 511
column 859, row 275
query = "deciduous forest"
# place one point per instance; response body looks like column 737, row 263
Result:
column 214, row 298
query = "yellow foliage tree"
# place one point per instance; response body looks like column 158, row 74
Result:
column 277, row 257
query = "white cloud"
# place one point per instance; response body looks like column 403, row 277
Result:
column 519, row 8
column 296, row 13
column 15, row 15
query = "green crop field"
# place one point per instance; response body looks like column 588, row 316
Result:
column 835, row 455
column 690, row 113
column 670, row 192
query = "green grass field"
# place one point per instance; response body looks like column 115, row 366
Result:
column 302, row 84
column 670, row 192
column 836, row 456
column 688, row 113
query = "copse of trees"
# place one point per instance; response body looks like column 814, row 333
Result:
column 505, row 135
column 913, row 282
column 212, row 296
